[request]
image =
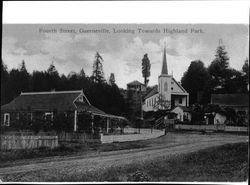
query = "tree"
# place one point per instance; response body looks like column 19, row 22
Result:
column 112, row 79
column 98, row 75
column 161, row 103
column 24, row 78
column 52, row 78
column 146, row 69
column 245, row 69
column 82, row 73
column 196, row 81
column 4, row 84
column 218, row 68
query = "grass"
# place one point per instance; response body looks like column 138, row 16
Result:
column 217, row 164
column 66, row 149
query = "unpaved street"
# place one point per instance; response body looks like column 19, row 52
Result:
column 166, row 146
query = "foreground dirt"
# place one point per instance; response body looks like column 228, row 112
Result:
column 166, row 146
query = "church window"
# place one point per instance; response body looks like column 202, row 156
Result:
column 165, row 86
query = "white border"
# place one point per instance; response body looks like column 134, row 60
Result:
column 126, row 12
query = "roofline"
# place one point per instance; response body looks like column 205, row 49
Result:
column 179, row 85
column 134, row 82
column 50, row 92
column 82, row 93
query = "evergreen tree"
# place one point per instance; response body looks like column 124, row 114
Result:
column 4, row 84
column 82, row 73
column 219, row 67
column 52, row 78
column 24, row 78
column 98, row 75
column 245, row 69
column 112, row 79
column 146, row 68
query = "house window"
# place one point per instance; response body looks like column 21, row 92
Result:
column 49, row 116
column 18, row 116
column 81, row 99
column 30, row 116
column 180, row 100
column 6, row 119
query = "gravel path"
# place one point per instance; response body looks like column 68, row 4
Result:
column 52, row 167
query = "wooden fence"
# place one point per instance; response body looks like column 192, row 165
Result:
column 80, row 137
column 211, row 128
column 132, row 136
column 12, row 142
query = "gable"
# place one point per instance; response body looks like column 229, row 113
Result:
column 176, row 87
column 82, row 99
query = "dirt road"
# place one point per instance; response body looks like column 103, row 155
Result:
column 166, row 146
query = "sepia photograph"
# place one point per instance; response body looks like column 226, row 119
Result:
column 124, row 102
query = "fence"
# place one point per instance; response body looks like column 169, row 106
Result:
column 10, row 142
column 211, row 128
column 130, row 135
column 80, row 137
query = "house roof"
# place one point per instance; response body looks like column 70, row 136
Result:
column 89, row 108
column 152, row 92
column 135, row 82
column 55, row 100
column 230, row 99
column 43, row 101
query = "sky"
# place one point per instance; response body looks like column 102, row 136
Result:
column 72, row 47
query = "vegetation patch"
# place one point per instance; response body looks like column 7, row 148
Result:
column 218, row 164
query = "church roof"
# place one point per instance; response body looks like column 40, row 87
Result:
column 164, row 69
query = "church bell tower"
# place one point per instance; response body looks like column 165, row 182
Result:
column 164, row 80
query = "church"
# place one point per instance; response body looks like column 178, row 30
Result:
column 168, row 94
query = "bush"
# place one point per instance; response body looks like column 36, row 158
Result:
column 139, row 176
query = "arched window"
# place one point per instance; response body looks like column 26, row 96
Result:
column 165, row 86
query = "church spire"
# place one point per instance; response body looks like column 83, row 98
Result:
column 164, row 62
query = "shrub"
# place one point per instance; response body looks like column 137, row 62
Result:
column 139, row 176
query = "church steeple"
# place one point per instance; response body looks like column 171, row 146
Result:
column 164, row 62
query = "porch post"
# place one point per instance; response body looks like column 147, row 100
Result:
column 75, row 121
column 92, row 123
column 108, row 121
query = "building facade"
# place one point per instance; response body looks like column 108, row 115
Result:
column 167, row 94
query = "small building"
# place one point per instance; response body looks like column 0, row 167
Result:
column 238, row 102
column 183, row 113
column 47, row 104
column 215, row 118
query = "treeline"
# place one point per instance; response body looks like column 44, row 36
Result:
column 200, row 81
column 102, row 94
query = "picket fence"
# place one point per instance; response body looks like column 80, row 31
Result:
column 80, row 137
column 13, row 142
